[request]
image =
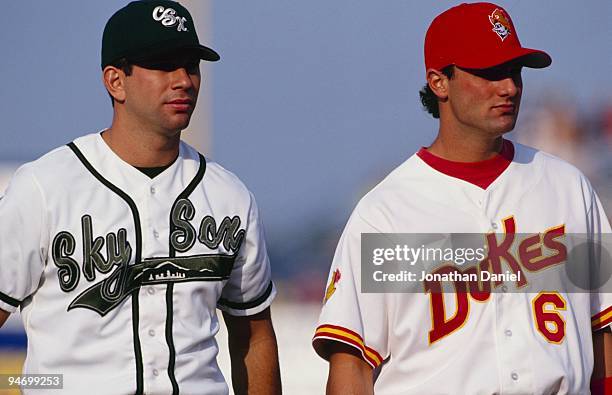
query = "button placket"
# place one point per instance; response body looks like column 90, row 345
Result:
column 154, row 348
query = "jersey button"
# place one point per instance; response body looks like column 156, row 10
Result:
column 514, row 376
column 155, row 372
column 153, row 190
column 493, row 225
column 156, row 234
column 508, row 333
column 151, row 291
column 151, row 332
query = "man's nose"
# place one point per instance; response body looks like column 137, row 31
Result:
column 509, row 86
column 181, row 78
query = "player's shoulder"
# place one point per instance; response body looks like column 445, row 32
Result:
column 398, row 182
column 217, row 177
column 224, row 178
column 539, row 162
column 53, row 164
column 43, row 173
column 400, row 188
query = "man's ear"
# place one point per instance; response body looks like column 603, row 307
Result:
column 114, row 81
column 438, row 83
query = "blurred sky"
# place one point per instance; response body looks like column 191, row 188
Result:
column 312, row 101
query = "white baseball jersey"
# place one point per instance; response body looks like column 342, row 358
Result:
column 503, row 343
column 118, row 276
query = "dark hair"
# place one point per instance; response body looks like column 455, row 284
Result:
column 429, row 100
column 126, row 67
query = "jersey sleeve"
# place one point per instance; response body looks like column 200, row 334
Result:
column 22, row 239
column 249, row 289
column 599, row 226
column 348, row 315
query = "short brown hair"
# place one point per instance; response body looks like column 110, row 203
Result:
column 429, row 100
column 126, row 67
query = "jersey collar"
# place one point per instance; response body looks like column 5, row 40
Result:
column 481, row 174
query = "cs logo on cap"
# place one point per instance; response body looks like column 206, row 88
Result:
column 168, row 18
column 501, row 23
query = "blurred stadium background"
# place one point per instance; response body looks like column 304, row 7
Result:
column 311, row 105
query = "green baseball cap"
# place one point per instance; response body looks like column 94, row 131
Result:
column 148, row 28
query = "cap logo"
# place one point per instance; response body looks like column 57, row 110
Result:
column 168, row 18
column 501, row 23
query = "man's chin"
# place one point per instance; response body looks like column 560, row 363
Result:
column 180, row 123
column 505, row 126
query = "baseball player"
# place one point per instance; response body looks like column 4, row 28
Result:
column 119, row 247
column 470, row 180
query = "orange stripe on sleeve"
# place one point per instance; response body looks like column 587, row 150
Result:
column 333, row 332
column 601, row 320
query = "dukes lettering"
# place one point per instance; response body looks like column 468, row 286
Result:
column 530, row 256
column 500, row 251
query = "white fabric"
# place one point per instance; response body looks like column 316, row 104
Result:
column 498, row 349
column 95, row 352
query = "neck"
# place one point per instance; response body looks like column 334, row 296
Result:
column 460, row 142
column 141, row 147
column 465, row 149
column 457, row 144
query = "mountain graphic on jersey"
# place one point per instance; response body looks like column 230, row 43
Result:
column 110, row 292
column 185, row 269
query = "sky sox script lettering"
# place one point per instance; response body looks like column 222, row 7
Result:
column 110, row 291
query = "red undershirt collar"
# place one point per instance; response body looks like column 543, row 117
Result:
column 481, row 174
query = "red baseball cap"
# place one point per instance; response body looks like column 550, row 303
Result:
column 477, row 36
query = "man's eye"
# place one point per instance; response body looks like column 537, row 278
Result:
column 193, row 66
column 167, row 66
column 159, row 65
